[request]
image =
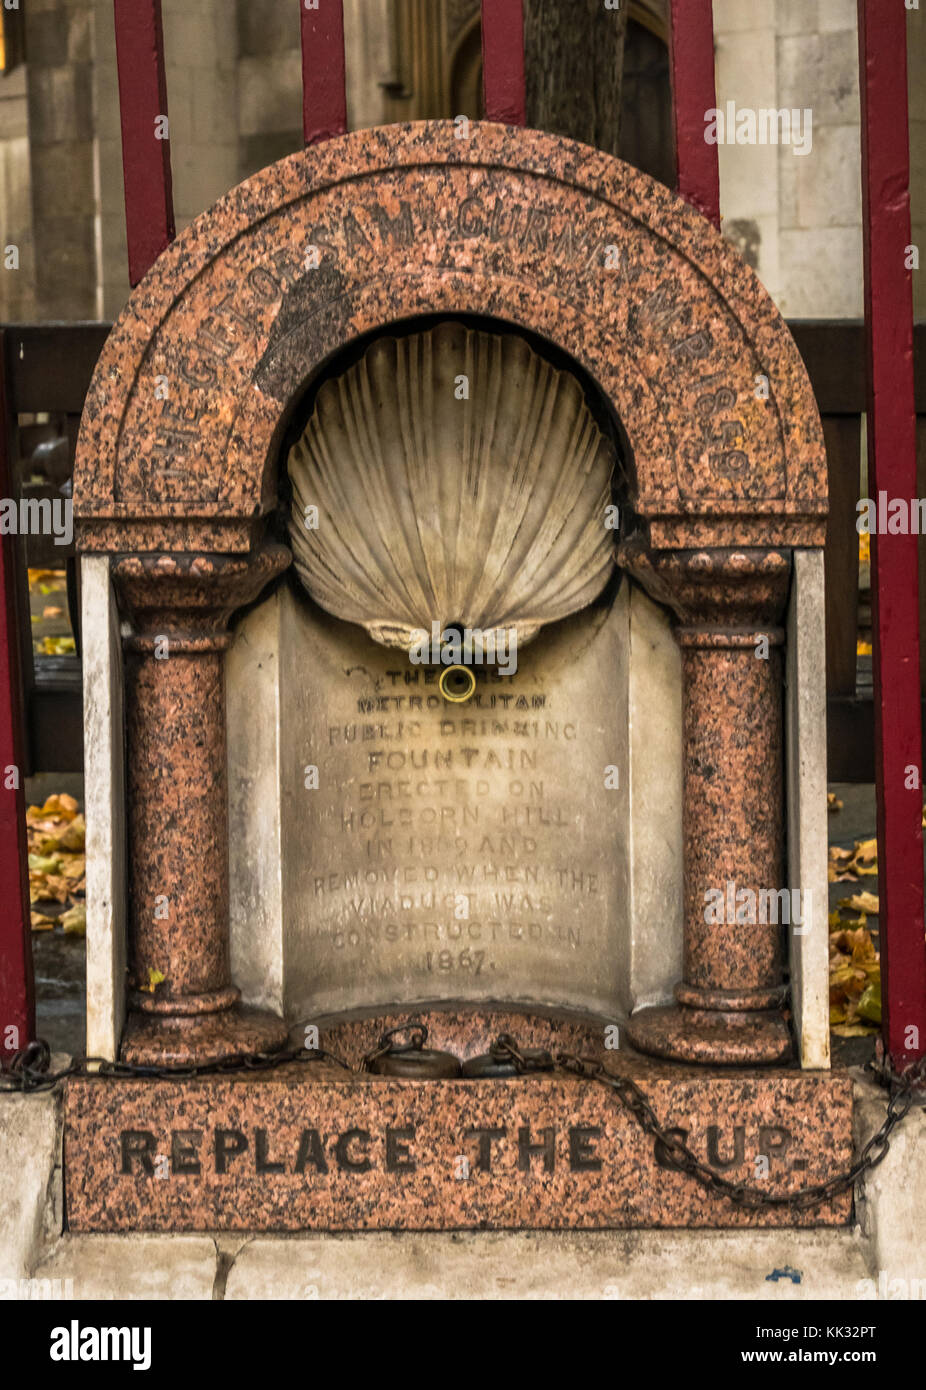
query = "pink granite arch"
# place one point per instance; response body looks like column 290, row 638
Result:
column 177, row 450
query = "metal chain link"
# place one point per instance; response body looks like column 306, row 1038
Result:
column 675, row 1153
column 29, row 1072
column 29, row 1068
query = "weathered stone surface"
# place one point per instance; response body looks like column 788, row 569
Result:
column 104, row 803
column 569, row 1265
column 311, row 1148
column 92, row 1268
column 605, row 935
column 236, row 321
column 807, row 831
column 460, row 1265
column 524, row 227
column 474, row 851
column 30, row 1176
column 893, row 1209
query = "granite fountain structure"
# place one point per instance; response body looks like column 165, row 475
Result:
column 510, row 384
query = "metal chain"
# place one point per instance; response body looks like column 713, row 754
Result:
column 29, row 1072
column 675, row 1153
column 29, row 1069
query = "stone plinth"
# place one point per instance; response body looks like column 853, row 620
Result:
column 310, row 1148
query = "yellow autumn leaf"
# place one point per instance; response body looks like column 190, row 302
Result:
column 73, row 866
column 862, row 902
column 74, row 921
column 40, row 922
column 74, row 837
column 42, row 864
column 869, row 1006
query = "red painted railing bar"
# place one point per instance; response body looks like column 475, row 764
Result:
column 503, row 61
column 894, row 570
column 17, row 995
column 691, row 59
column 149, row 205
column 324, row 92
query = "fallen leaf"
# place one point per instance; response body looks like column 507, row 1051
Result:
column 42, row 864
column 833, row 803
column 58, row 805
column 40, row 922
column 74, row 838
column 866, row 851
column 155, row 978
column 50, row 611
column 74, row 866
column 862, row 902
column 75, row 921
column 57, row 646
column 869, row 1005
column 837, row 868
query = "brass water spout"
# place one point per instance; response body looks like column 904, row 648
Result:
column 457, row 684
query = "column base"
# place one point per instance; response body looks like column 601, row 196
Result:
column 703, row 1036
column 177, row 1041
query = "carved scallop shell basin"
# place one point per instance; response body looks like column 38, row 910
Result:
column 452, row 476
column 389, row 846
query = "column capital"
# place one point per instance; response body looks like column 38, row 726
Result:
column 723, row 597
column 189, row 598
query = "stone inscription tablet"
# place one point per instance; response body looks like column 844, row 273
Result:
column 452, row 851
column 305, row 1150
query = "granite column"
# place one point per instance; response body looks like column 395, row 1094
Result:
column 729, row 1004
column 184, row 1007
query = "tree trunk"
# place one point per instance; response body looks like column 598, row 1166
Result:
column 574, row 57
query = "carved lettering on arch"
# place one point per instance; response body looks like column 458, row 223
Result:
column 519, row 226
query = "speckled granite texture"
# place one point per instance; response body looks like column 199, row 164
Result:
column 178, row 804
column 729, row 604
column 309, row 1148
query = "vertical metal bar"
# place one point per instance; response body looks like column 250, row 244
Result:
column 691, row 60
column 892, row 475
column 324, row 92
column 149, row 206
column 503, row 61
column 17, row 994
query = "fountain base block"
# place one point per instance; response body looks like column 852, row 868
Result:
column 309, row 1146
